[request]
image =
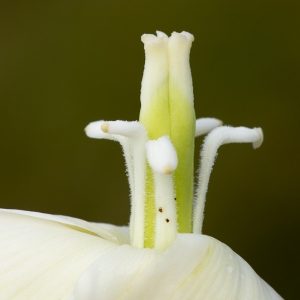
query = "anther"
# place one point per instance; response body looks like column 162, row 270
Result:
column 168, row 170
column 104, row 127
column 217, row 137
column 162, row 155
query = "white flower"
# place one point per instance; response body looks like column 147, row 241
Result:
column 162, row 255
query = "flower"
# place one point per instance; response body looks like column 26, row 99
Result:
column 163, row 254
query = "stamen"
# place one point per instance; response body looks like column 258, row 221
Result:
column 95, row 130
column 219, row 136
column 137, row 134
column 205, row 125
column 104, row 127
column 167, row 170
column 161, row 157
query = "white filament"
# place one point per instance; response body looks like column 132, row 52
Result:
column 205, row 125
column 162, row 158
column 93, row 130
column 166, row 216
column 217, row 137
column 137, row 134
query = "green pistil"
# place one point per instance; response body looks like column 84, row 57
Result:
column 176, row 119
column 183, row 124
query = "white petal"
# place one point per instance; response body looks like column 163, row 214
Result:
column 120, row 233
column 102, row 230
column 112, row 276
column 193, row 267
column 42, row 258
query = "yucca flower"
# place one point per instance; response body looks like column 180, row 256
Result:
column 163, row 253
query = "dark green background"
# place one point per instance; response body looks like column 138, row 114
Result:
column 66, row 63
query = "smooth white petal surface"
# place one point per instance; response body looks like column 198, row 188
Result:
column 193, row 267
column 107, row 231
column 117, row 233
column 41, row 256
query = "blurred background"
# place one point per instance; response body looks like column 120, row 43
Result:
column 66, row 63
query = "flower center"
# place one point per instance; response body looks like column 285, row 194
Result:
column 159, row 150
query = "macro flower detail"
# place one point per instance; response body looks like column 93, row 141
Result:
column 163, row 253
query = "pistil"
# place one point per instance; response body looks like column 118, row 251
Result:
column 167, row 110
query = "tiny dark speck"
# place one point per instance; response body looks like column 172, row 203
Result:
column 160, row 209
column 167, row 220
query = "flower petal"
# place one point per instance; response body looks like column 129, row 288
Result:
column 99, row 229
column 121, row 233
column 42, row 258
column 193, row 267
